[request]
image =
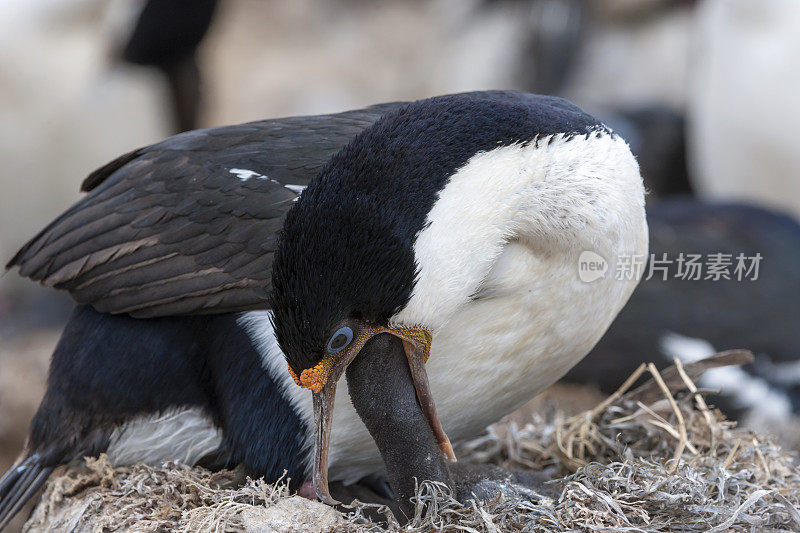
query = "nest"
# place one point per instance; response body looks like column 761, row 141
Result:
column 654, row 458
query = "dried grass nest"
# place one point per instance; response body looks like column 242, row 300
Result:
column 655, row 458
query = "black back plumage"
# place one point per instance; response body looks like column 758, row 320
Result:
column 168, row 230
column 347, row 246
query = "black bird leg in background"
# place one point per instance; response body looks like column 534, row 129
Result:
column 185, row 84
column 382, row 391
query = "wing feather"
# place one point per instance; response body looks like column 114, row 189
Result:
column 178, row 227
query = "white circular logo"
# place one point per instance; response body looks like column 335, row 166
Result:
column 591, row 266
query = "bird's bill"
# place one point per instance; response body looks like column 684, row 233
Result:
column 416, row 343
column 417, row 355
column 323, row 414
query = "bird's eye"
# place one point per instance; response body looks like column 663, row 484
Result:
column 340, row 340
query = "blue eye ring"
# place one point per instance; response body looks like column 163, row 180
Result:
column 340, row 340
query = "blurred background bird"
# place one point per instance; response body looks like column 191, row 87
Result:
column 667, row 75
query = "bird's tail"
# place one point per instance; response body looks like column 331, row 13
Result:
column 19, row 485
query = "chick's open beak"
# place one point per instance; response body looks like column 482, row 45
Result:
column 323, row 379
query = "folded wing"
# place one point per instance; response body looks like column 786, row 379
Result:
column 188, row 225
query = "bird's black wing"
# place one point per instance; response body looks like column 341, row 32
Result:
column 188, row 225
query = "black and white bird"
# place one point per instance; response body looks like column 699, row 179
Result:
column 448, row 227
